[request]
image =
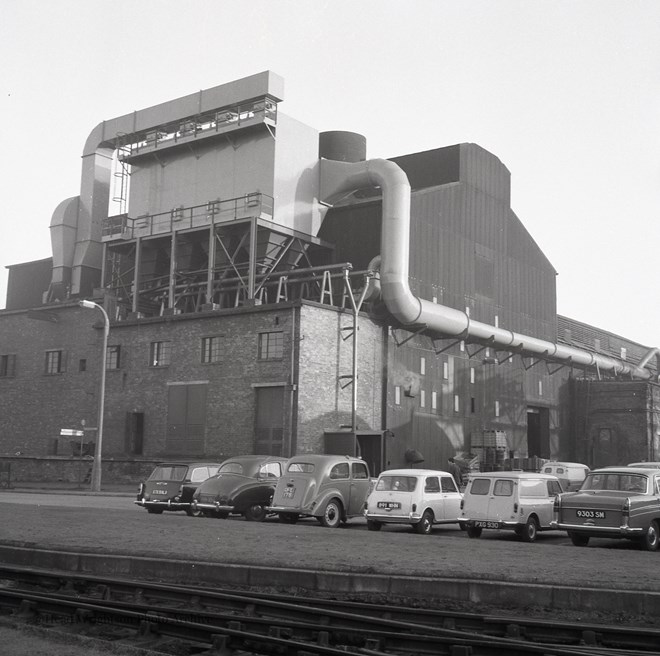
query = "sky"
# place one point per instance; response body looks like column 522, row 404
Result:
column 565, row 93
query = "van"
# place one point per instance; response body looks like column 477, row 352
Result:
column 509, row 500
column 570, row 474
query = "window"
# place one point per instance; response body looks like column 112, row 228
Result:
column 271, row 346
column 160, row 354
column 360, row 471
column 422, row 366
column 422, row 399
column 448, row 484
column 397, row 394
column 200, row 474
column 432, row 484
column 472, row 375
column 457, row 403
column 497, row 408
column 445, row 370
column 112, row 357
column 554, row 488
column 7, row 365
column 301, row 467
column 624, row 353
column 503, row 488
column 55, row 362
column 339, row 471
column 396, row 483
column 480, row 486
column 82, row 364
column 211, row 350
column 540, row 388
column 473, row 405
column 434, row 400
column 270, row 470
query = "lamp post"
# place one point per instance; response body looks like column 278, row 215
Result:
column 96, row 467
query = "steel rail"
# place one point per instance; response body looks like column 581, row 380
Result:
column 312, row 613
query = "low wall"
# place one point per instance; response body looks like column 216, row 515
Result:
column 72, row 469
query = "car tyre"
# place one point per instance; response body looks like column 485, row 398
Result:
column 651, row 539
column 332, row 514
column 373, row 525
column 155, row 511
column 474, row 531
column 193, row 513
column 255, row 513
column 530, row 530
column 578, row 539
column 288, row 518
column 425, row 524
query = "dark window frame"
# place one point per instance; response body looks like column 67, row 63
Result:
column 271, row 346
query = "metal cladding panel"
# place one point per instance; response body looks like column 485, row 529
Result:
column 432, row 167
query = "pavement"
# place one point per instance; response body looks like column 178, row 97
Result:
column 65, row 487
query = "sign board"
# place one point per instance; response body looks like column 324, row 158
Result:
column 71, row 432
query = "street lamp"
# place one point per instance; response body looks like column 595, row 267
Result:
column 96, row 467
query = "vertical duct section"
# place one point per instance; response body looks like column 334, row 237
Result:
column 63, row 227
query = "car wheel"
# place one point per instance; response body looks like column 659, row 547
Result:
column 578, row 539
column 530, row 531
column 288, row 518
column 373, row 525
column 331, row 517
column 651, row 539
column 193, row 513
column 425, row 524
column 221, row 514
column 474, row 531
column 155, row 511
column 255, row 513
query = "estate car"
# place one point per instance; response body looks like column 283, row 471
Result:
column 171, row 486
column 244, row 485
column 419, row 497
column 509, row 500
column 613, row 502
column 570, row 474
column 330, row 488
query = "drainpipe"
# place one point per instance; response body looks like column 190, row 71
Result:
column 340, row 178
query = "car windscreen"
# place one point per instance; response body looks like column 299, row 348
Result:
column 300, row 468
column 231, row 468
column 616, row 481
column 396, row 483
column 169, row 473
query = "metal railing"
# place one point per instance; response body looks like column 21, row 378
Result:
column 181, row 218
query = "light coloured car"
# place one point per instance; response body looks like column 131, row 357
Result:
column 570, row 474
column 328, row 487
column 510, row 500
column 613, row 502
column 419, row 497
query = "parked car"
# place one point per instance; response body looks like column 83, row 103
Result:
column 644, row 464
column 171, row 486
column 330, row 488
column 613, row 502
column 244, row 485
column 419, row 497
column 509, row 500
column 570, row 474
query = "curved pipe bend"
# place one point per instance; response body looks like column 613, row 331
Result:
column 340, row 178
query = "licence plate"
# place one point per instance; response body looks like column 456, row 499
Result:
column 591, row 514
column 388, row 504
column 159, row 492
column 288, row 492
column 482, row 524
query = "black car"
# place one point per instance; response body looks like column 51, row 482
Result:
column 244, row 485
column 171, row 485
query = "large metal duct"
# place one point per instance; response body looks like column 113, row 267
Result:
column 340, row 178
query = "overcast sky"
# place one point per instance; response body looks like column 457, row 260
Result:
column 566, row 93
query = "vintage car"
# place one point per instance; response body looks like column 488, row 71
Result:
column 330, row 488
column 171, row 486
column 244, row 485
column 519, row 501
column 613, row 502
column 570, row 474
column 419, row 497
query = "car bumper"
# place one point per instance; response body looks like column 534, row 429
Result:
column 392, row 519
column 163, row 505
column 288, row 509
column 605, row 531
column 491, row 524
column 214, row 507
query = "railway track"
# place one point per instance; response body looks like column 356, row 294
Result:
column 227, row 622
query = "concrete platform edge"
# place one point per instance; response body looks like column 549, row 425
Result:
column 501, row 594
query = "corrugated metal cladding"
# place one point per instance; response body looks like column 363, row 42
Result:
column 27, row 282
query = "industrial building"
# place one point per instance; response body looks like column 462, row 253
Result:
column 269, row 289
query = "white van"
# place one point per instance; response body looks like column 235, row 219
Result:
column 510, row 500
column 570, row 474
